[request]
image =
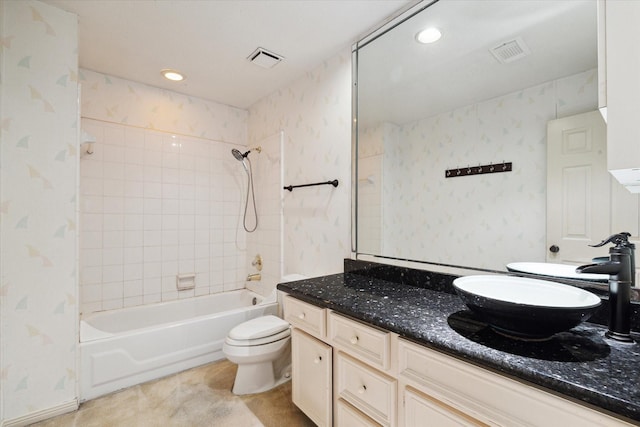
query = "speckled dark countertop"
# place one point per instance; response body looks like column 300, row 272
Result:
column 579, row 363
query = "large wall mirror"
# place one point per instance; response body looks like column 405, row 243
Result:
column 483, row 94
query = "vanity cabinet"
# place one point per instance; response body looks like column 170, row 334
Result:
column 468, row 395
column 311, row 360
column 311, row 371
column 363, row 372
column 359, row 375
column 619, row 68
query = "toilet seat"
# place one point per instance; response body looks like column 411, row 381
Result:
column 258, row 331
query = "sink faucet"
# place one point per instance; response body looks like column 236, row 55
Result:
column 621, row 270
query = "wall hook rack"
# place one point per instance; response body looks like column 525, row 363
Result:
column 291, row 187
column 479, row 170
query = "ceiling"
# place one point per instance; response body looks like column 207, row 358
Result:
column 209, row 40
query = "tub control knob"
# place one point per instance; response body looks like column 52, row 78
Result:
column 354, row 340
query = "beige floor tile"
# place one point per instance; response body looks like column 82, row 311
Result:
column 197, row 397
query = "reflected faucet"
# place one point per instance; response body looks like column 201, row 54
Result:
column 621, row 270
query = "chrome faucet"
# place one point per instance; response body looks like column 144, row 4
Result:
column 254, row 277
column 621, row 270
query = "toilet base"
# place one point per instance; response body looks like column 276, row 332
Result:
column 259, row 377
column 262, row 375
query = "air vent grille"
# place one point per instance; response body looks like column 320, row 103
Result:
column 510, row 51
column 264, row 58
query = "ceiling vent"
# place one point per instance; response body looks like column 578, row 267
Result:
column 264, row 58
column 510, row 51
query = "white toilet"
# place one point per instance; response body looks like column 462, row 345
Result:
column 261, row 348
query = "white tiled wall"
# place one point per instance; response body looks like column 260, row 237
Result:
column 155, row 205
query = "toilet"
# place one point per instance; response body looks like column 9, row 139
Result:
column 261, row 348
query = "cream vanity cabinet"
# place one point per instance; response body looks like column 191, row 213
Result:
column 619, row 86
column 347, row 373
column 439, row 390
column 311, row 361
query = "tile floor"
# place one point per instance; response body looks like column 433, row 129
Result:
column 197, row 397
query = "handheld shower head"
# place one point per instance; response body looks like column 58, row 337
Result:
column 238, row 155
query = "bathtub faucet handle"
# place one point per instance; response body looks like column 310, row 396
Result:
column 257, row 262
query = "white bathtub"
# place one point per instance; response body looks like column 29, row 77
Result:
column 121, row 348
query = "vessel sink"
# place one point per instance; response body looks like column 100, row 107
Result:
column 526, row 308
column 554, row 270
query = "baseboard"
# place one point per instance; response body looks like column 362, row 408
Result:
column 42, row 415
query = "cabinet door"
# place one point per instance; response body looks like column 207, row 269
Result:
column 311, row 377
column 422, row 410
column 622, row 37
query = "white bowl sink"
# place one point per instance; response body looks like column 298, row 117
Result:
column 554, row 270
column 526, row 308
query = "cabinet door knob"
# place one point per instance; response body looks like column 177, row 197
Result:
column 354, row 339
column 317, row 360
column 301, row 316
column 362, row 389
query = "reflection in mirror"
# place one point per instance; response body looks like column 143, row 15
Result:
column 482, row 94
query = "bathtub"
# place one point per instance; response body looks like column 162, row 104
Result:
column 125, row 347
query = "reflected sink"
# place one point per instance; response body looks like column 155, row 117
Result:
column 526, row 308
column 555, row 270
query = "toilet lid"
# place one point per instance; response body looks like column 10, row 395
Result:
column 260, row 327
column 258, row 341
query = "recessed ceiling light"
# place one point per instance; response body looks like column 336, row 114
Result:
column 428, row 35
column 172, row 75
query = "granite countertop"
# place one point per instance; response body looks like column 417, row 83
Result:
column 578, row 363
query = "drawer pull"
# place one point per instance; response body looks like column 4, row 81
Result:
column 362, row 389
column 317, row 360
column 301, row 316
column 354, row 340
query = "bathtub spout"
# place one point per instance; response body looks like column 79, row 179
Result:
column 254, row 277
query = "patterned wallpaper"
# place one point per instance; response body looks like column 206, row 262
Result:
column 116, row 100
column 480, row 220
column 314, row 113
column 38, row 207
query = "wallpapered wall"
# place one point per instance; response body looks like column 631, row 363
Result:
column 116, row 100
column 314, row 113
column 38, row 160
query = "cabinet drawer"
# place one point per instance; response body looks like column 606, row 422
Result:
column 360, row 340
column 487, row 397
column 368, row 390
column 422, row 410
column 348, row 416
column 305, row 316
